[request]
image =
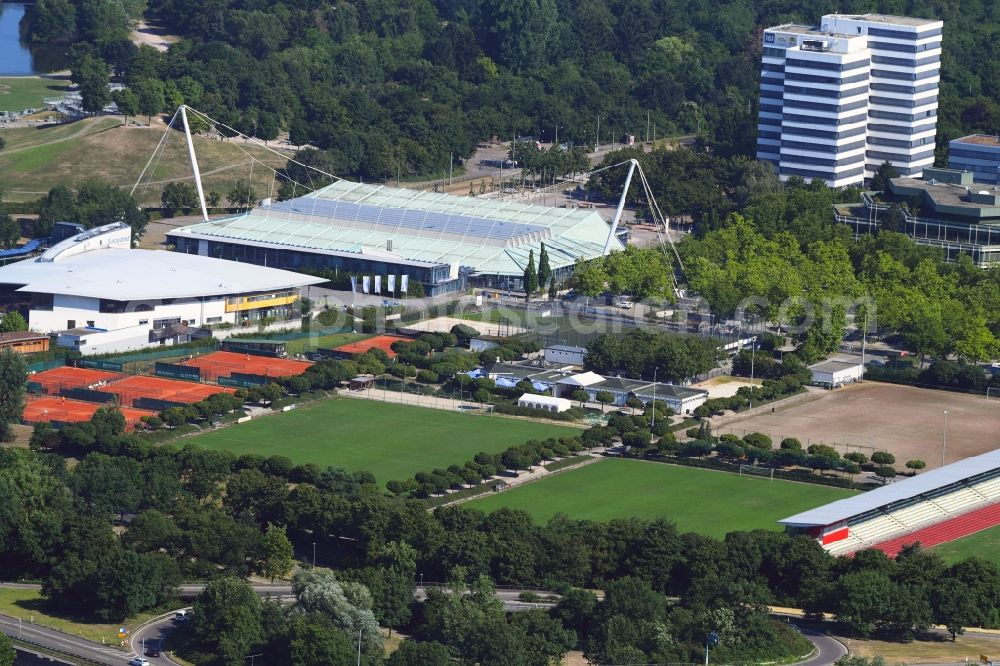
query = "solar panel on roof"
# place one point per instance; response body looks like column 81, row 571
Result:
column 445, row 223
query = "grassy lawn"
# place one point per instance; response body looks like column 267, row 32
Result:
column 325, row 341
column 985, row 544
column 20, row 93
column 698, row 500
column 391, row 441
column 29, row 606
column 933, row 649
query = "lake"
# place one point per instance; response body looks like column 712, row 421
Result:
column 17, row 57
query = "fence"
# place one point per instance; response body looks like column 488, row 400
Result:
column 766, row 408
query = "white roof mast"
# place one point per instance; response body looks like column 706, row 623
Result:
column 194, row 163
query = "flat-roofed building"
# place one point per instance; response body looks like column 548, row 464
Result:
column 978, row 154
column 445, row 242
column 98, row 295
column 955, row 214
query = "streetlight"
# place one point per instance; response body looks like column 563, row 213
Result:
column 652, row 421
column 314, row 554
column 753, row 349
column 944, row 438
column 711, row 639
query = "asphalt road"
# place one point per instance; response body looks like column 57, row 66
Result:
column 150, row 636
column 65, row 643
column 828, row 650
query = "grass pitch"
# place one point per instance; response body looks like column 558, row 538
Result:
column 985, row 545
column 697, row 500
column 18, row 93
column 389, row 440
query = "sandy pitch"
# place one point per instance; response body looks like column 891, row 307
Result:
column 906, row 421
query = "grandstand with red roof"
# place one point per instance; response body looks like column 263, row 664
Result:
column 942, row 505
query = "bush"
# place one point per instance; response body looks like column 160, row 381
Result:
column 427, row 377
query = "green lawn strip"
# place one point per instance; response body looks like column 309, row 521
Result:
column 20, row 93
column 391, row 441
column 697, row 500
column 29, row 606
column 984, row 544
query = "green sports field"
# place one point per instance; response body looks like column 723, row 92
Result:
column 389, row 440
column 20, row 93
column 697, row 500
column 985, row 544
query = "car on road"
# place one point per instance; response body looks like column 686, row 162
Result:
column 182, row 616
column 138, row 661
column 153, row 652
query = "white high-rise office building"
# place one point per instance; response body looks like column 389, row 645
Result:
column 840, row 99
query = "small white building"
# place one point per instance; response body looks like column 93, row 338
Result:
column 546, row 402
column 565, row 354
column 97, row 294
column 831, row 374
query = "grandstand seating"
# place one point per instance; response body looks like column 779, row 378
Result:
column 989, row 488
column 949, row 530
column 919, row 514
column 955, row 512
column 959, row 501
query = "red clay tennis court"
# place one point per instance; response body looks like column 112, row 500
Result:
column 223, row 363
column 383, row 342
column 143, row 386
column 50, row 408
column 67, row 377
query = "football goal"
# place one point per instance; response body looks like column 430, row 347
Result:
column 756, row 470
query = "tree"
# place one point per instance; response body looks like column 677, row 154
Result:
column 91, row 74
column 278, row 553
column 149, row 96
column 58, row 205
column 885, row 473
column 8, row 654
column 553, row 291
column 242, row 195
column 10, row 231
column 604, row 397
column 227, row 619
column 544, row 270
column 530, row 276
column 915, row 465
column 213, row 198
column 883, row 458
column 99, row 203
column 886, row 171
column 427, row 653
column 127, row 102
column 580, row 396
column 13, row 375
column 13, row 322
column 347, row 604
column 398, row 566
column 179, row 196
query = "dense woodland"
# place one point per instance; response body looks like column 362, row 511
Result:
column 399, row 86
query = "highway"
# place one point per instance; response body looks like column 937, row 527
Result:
column 60, row 642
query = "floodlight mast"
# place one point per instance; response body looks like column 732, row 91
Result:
column 194, row 163
column 621, row 206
